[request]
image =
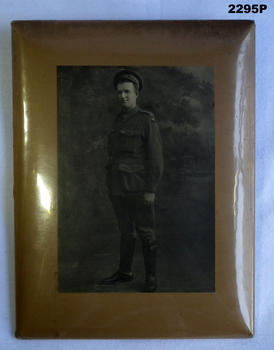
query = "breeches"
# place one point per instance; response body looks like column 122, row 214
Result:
column 134, row 216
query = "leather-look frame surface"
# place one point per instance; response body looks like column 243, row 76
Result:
column 38, row 48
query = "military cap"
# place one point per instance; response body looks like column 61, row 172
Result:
column 129, row 75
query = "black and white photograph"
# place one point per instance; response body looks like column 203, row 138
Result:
column 136, row 179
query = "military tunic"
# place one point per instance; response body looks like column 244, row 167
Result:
column 135, row 154
column 135, row 167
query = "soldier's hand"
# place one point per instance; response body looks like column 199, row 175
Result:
column 149, row 198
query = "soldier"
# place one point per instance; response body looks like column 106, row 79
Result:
column 134, row 170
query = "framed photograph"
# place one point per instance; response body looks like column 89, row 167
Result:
column 134, row 178
column 88, row 231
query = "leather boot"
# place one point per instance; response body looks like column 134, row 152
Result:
column 149, row 252
column 124, row 274
column 127, row 249
column 118, row 277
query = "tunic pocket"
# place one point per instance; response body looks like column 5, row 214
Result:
column 129, row 140
column 133, row 176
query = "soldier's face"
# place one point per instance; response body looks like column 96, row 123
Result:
column 126, row 95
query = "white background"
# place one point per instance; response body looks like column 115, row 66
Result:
column 146, row 9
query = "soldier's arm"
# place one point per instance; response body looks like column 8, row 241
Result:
column 154, row 155
column 149, row 198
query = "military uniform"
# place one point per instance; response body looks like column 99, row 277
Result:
column 135, row 154
column 135, row 167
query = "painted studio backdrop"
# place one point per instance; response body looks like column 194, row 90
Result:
column 182, row 100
